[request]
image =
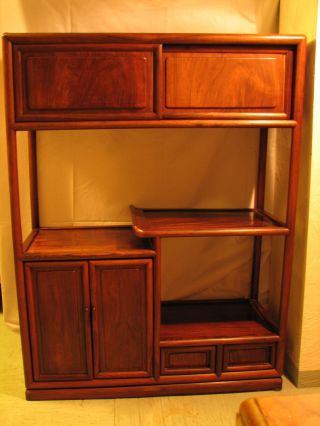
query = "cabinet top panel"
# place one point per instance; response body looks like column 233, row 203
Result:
column 83, row 243
column 153, row 80
column 176, row 38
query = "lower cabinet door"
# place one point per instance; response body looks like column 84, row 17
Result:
column 58, row 307
column 121, row 294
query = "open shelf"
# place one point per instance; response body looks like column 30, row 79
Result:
column 191, row 223
column 71, row 243
column 210, row 320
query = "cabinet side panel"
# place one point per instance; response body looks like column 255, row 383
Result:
column 122, row 319
column 57, row 303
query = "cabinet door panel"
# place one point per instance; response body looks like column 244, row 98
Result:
column 58, row 305
column 122, row 320
column 83, row 81
column 228, row 84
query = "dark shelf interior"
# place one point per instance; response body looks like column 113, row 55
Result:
column 187, row 320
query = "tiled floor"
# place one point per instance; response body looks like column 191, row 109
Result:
column 198, row 410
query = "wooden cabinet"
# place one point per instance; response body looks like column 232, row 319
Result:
column 92, row 321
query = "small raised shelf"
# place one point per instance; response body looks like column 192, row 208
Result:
column 192, row 223
column 75, row 243
column 212, row 321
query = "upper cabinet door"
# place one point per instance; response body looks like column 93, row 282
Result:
column 83, row 81
column 122, row 318
column 227, row 83
column 58, row 308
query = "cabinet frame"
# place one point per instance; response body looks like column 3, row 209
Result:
column 234, row 381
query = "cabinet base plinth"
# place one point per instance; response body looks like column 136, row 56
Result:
column 158, row 390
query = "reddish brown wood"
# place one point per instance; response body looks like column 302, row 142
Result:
column 158, row 82
column 33, row 173
column 93, row 383
column 263, row 315
column 158, row 390
column 15, row 211
column 29, row 239
column 237, row 330
column 73, row 243
column 239, row 335
column 259, row 204
column 157, row 306
column 192, row 223
column 227, row 83
column 203, row 320
column 75, row 81
column 122, row 301
column 188, row 360
column 218, row 377
column 165, row 38
column 169, row 123
column 248, row 357
column 261, row 179
column 59, row 307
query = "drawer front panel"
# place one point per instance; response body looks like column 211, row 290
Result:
column 188, row 360
column 74, row 82
column 248, row 357
column 228, row 83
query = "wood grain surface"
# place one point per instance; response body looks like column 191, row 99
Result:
column 87, row 242
column 187, row 223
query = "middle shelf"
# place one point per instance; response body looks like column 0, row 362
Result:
column 149, row 223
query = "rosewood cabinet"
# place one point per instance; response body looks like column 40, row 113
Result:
column 92, row 321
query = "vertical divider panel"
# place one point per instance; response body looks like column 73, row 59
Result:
column 158, row 81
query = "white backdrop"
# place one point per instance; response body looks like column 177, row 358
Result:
column 92, row 176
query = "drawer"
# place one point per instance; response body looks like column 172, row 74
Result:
column 89, row 81
column 228, row 83
column 188, row 360
column 248, row 357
